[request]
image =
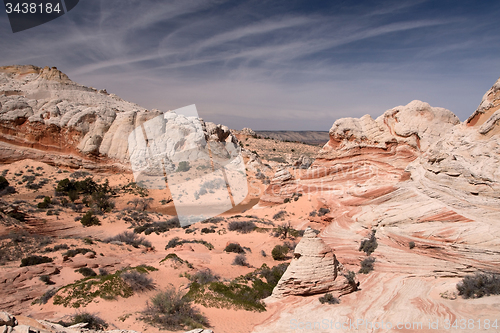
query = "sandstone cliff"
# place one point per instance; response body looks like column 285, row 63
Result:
column 47, row 117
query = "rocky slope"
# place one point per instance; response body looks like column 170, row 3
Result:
column 47, row 117
column 414, row 175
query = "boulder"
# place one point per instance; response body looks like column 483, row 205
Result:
column 314, row 269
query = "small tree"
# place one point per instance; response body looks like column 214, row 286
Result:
column 369, row 245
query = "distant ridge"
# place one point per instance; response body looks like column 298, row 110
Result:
column 309, row 137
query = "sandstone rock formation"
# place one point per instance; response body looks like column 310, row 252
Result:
column 314, row 269
column 47, row 117
column 415, row 174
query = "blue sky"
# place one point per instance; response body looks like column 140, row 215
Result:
column 282, row 65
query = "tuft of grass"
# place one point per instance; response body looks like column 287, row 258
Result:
column 129, row 238
column 479, row 285
column 171, row 310
column 367, row 265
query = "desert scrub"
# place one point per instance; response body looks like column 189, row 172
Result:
column 286, row 230
column 279, row 215
column 135, row 189
column 479, row 285
column 323, row 211
column 139, row 282
column 92, row 320
column 35, row 260
column 207, row 231
column 129, row 238
column 411, row 245
column 158, row 227
column 46, row 203
column 85, row 271
column 46, row 297
column 176, row 259
column 279, row 252
column 369, row 245
column 367, row 265
column 242, row 226
column 234, row 248
column 46, row 279
column 240, row 260
column 172, row 310
column 244, row 292
column 177, row 241
column 89, row 220
column 73, row 252
column 329, row 299
column 107, row 287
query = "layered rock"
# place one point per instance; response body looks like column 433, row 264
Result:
column 314, row 269
column 47, row 117
column 415, row 175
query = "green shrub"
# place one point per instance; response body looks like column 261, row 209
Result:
column 35, row 260
column 279, row 215
column 47, row 201
column 207, row 231
column 46, row 279
column 279, row 252
column 89, row 220
column 367, row 265
column 329, row 299
column 369, row 245
column 171, row 310
column 85, row 271
column 234, row 248
column 479, row 285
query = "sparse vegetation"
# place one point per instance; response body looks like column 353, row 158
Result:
column 244, row 227
column 369, row 245
column 411, row 245
column 73, row 252
column 46, row 297
column 35, row 260
column 367, row 265
column 85, row 271
column 129, row 238
column 92, row 320
column 207, row 231
column 137, row 281
column 323, row 211
column 158, row 227
column 244, row 292
column 183, row 166
column 279, row 215
column 177, row 241
column 177, row 259
column 286, row 230
column 479, row 285
column 172, row 310
column 329, row 299
column 46, row 279
column 234, row 248
column 107, row 287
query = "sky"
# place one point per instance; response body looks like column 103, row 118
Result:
column 272, row 65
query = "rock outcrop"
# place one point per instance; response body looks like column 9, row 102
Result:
column 47, row 117
column 418, row 176
column 314, row 269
